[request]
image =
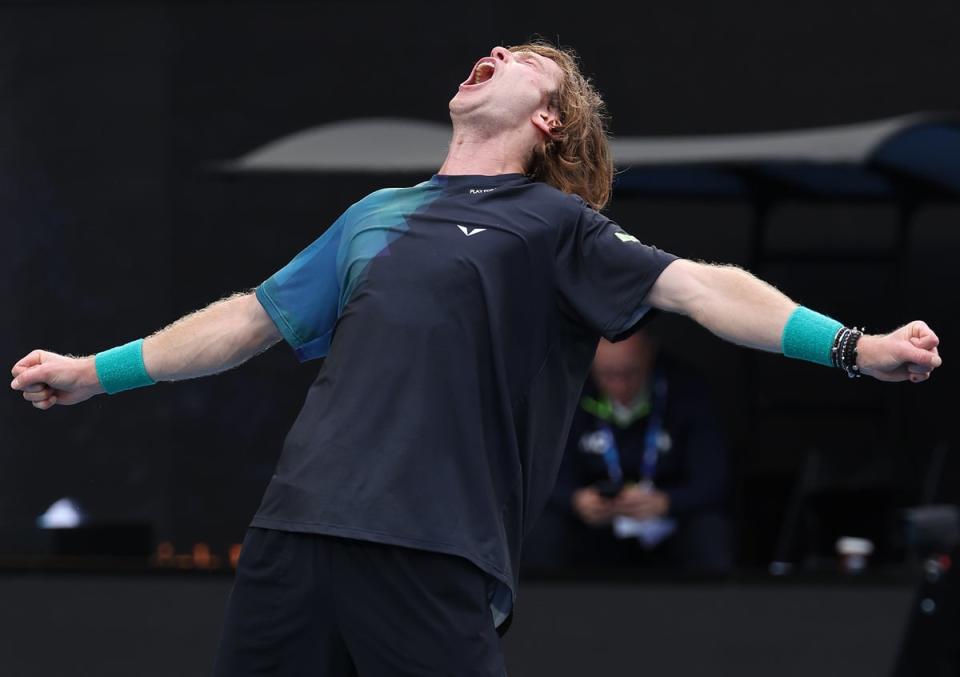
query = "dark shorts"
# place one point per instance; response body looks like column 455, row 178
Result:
column 307, row 604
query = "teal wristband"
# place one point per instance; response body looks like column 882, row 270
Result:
column 808, row 335
column 122, row 368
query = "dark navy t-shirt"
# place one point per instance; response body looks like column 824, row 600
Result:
column 458, row 318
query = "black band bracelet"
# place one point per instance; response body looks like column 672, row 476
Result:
column 843, row 354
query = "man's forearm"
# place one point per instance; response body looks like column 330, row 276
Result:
column 736, row 305
column 213, row 339
column 208, row 341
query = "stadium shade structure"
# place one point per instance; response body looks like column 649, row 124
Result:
column 910, row 157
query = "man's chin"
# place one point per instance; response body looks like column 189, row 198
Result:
column 458, row 104
column 461, row 110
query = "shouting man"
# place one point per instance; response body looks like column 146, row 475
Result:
column 458, row 318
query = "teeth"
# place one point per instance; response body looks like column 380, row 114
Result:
column 484, row 72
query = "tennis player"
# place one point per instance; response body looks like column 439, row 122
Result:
column 458, row 319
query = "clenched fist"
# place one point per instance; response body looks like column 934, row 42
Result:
column 910, row 352
column 46, row 379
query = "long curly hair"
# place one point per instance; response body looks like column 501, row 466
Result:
column 576, row 158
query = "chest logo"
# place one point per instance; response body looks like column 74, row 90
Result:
column 470, row 231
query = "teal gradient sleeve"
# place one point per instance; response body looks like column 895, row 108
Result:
column 302, row 298
column 306, row 297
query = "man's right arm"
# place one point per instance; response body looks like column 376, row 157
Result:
column 219, row 337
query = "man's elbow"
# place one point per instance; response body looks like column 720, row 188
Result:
column 681, row 288
column 261, row 328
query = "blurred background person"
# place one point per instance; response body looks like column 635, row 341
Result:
column 644, row 480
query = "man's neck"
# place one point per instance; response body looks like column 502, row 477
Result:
column 472, row 153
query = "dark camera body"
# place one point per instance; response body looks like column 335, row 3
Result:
column 608, row 488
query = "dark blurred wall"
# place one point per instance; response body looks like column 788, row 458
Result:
column 113, row 117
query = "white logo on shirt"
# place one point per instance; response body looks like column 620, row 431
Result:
column 626, row 237
column 470, row 231
column 477, row 191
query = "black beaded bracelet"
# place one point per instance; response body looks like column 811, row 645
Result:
column 834, row 351
column 848, row 356
column 843, row 354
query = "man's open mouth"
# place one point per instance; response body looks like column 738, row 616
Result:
column 482, row 71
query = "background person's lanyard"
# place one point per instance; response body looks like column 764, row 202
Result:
column 611, row 454
column 651, row 440
column 651, row 447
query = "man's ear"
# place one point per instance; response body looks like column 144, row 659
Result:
column 546, row 122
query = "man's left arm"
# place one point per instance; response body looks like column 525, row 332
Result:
column 743, row 309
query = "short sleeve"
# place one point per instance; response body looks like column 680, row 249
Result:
column 604, row 274
column 303, row 297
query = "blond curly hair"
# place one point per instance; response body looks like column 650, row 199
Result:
column 576, row 158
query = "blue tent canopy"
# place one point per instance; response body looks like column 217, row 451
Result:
column 909, row 157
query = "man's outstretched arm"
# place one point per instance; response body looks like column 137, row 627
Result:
column 743, row 309
column 214, row 339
